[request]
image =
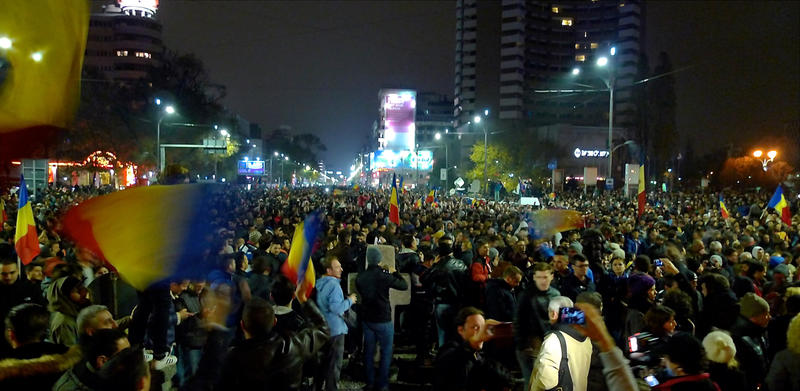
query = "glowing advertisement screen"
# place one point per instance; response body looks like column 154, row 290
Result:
column 387, row 159
column 251, row 167
column 398, row 108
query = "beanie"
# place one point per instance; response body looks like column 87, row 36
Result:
column 639, row 284
column 716, row 260
column 752, row 305
column 374, row 256
column 719, row 347
column 775, row 261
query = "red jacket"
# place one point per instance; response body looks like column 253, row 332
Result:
column 480, row 270
column 701, row 382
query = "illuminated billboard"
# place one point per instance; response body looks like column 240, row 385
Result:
column 387, row 159
column 398, row 114
column 251, row 167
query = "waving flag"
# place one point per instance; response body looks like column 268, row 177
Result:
column 418, row 203
column 298, row 266
column 149, row 234
column 641, row 195
column 394, row 208
column 429, row 199
column 778, row 202
column 43, row 42
column 545, row 223
column 722, row 208
column 356, row 186
column 26, row 241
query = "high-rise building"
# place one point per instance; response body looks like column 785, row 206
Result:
column 124, row 42
column 539, row 43
column 434, row 115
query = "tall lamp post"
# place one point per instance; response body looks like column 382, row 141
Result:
column 438, row 137
column 765, row 161
column 477, row 120
column 169, row 110
column 606, row 62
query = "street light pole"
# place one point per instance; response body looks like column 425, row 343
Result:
column 159, row 158
column 610, row 125
column 485, row 158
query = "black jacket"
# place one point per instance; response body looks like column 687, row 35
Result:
column 447, row 279
column 274, row 362
column 751, row 350
column 531, row 318
column 190, row 332
column 571, row 286
column 373, row 287
column 500, row 300
column 260, row 286
column 728, row 379
column 461, row 368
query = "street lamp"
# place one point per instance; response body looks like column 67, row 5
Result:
column 758, row 154
column 169, row 110
column 477, row 120
column 602, row 62
column 438, row 136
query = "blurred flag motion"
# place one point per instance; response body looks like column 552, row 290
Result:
column 148, row 234
column 545, row 223
column 26, row 242
column 41, row 55
column 298, row 266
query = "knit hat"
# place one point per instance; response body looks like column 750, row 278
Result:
column 781, row 269
column 752, row 305
column 716, row 260
column 639, row 284
column 719, row 347
column 755, row 251
column 374, row 256
column 775, row 261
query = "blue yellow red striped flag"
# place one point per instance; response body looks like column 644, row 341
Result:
column 149, row 234
column 430, row 197
column 297, row 266
column 394, row 207
column 778, row 202
column 722, row 208
column 26, row 242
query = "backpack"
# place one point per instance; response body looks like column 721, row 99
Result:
column 564, row 376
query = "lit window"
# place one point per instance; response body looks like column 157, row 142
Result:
column 580, row 57
column 621, row 4
column 122, row 53
column 144, row 55
column 593, row 45
column 577, row 46
column 555, row 10
column 585, row 34
column 566, row 22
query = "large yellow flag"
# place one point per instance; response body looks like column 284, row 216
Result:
column 41, row 55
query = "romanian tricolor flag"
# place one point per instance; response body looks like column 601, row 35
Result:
column 545, row 223
column 26, row 241
column 148, row 234
column 778, row 202
column 401, row 188
column 429, row 199
column 394, row 207
column 722, row 208
column 641, row 195
column 42, row 44
column 435, row 203
column 298, row 266
column 418, row 203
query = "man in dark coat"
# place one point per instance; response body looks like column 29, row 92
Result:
column 749, row 335
column 532, row 321
column 500, row 300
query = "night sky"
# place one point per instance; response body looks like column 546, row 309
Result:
column 317, row 66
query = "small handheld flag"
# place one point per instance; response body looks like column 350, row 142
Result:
column 26, row 242
column 778, row 202
column 429, row 199
column 722, row 208
column 641, row 195
column 394, row 207
column 298, row 267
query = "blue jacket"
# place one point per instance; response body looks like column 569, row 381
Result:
column 332, row 304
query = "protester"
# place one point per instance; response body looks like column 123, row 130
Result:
column 333, row 305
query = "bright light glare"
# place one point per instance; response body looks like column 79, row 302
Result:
column 285, row 158
column 276, row 153
column 772, row 154
column 158, row 102
column 224, row 133
column 757, row 153
column 438, row 136
column 486, row 112
column 477, row 119
column 613, row 51
column 602, row 61
column 5, row 43
column 169, row 110
column 37, row 56
column 576, row 71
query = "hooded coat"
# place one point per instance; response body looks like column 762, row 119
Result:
column 63, row 325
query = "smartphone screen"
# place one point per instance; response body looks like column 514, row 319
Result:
column 651, row 380
column 659, row 263
column 633, row 343
column 571, row 315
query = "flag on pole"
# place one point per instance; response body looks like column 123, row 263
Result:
column 26, row 242
column 394, row 208
column 778, row 202
column 641, row 194
column 429, row 199
column 722, row 208
column 418, row 203
column 298, row 266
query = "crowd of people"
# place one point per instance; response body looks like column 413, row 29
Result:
column 677, row 298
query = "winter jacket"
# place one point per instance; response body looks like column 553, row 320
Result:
column 274, row 362
column 532, row 320
column 260, row 286
column 461, row 368
column 701, row 382
column 190, row 332
column 41, row 381
column 12, row 295
column 571, row 286
column 81, row 377
column 447, row 279
column 751, row 350
column 332, row 304
column 720, row 310
column 728, row 379
column 63, row 326
column 408, row 261
column 784, row 373
column 500, row 300
column 373, row 286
